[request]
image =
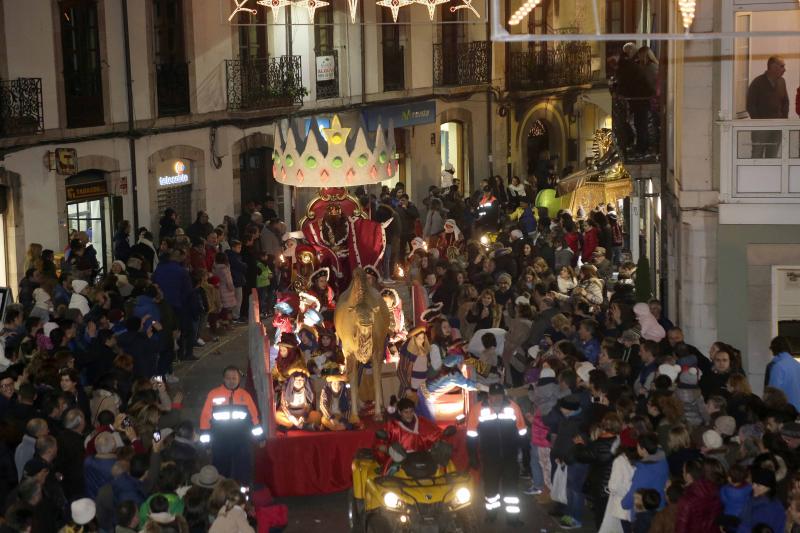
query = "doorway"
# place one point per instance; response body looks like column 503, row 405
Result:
column 537, row 147
column 255, row 174
column 451, row 142
column 90, row 208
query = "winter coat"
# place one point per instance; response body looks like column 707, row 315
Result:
column 680, row 457
column 545, row 395
column 97, row 472
column 762, row 510
column 122, row 247
column 144, row 351
column 734, row 499
column 619, row 483
column 127, row 487
column 713, row 383
column 227, row 290
column 650, row 473
column 698, row 508
column 694, row 407
column 518, row 329
column 566, row 430
column 591, row 240
column 80, row 302
column 238, row 268
column 175, row 283
column 599, row 454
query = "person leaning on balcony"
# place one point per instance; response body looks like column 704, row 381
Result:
column 767, row 98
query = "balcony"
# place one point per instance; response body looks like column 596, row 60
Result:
column 21, row 110
column 172, row 86
column 394, row 67
column 264, row 83
column 636, row 124
column 565, row 65
column 327, row 72
column 462, row 64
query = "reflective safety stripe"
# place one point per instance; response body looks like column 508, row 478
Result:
column 218, row 401
column 486, row 418
column 507, row 414
column 257, row 431
column 239, row 415
column 512, row 509
column 495, row 498
column 510, row 499
column 221, row 416
column 205, row 438
column 471, row 433
column 491, row 506
column 522, row 432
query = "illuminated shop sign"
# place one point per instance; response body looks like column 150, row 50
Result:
column 178, row 175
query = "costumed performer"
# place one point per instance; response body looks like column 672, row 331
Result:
column 412, row 367
column 335, row 403
column 410, row 432
column 397, row 332
column 297, row 401
column 328, row 356
column 307, row 336
column 450, row 243
column 321, row 288
column 288, row 356
column 447, row 379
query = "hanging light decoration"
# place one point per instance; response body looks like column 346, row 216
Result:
column 275, row 6
column 241, row 8
column 395, row 6
column 312, row 6
column 431, row 5
column 523, row 11
column 687, row 8
column 353, row 4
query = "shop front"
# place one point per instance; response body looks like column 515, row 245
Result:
column 93, row 209
column 174, row 188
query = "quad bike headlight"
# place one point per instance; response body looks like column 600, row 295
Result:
column 391, row 500
column 463, row 496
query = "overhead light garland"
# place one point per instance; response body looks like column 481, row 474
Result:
column 312, row 6
column 687, row 8
column 395, row 6
column 353, row 7
column 431, row 5
column 275, row 6
column 468, row 5
column 522, row 12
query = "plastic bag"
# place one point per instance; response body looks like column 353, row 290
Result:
column 559, row 491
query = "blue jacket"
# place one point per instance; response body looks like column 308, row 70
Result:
column 762, row 510
column 96, row 473
column 591, row 350
column 145, row 305
column 143, row 350
column 175, row 283
column 127, row 487
column 734, row 499
column 650, row 473
column 785, row 375
column 238, row 268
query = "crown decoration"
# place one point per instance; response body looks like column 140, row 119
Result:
column 333, row 157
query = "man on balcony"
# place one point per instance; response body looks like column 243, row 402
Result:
column 767, row 98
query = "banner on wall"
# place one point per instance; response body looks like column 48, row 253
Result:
column 401, row 115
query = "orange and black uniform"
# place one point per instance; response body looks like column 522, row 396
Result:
column 229, row 419
column 495, row 434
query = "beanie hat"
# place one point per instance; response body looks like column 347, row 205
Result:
column 78, row 285
column 688, row 379
column 583, row 370
column 669, row 370
column 712, row 440
column 764, row 477
column 570, row 402
column 547, row 373
column 726, row 425
column 83, row 511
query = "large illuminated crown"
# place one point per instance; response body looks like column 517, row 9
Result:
column 332, row 157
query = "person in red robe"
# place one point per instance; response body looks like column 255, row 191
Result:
column 412, row 432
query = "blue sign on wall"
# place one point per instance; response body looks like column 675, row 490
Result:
column 401, row 115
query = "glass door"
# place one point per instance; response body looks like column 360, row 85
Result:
column 93, row 217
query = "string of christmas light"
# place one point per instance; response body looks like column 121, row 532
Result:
column 523, row 11
column 687, row 8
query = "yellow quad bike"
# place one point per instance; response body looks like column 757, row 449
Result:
column 421, row 497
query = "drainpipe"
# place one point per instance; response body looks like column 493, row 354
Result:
column 489, row 97
column 364, row 56
column 129, row 88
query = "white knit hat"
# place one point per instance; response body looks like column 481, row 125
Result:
column 83, row 511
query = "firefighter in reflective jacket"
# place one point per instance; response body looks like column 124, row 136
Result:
column 494, row 430
column 229, row 419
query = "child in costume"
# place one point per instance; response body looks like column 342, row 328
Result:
column 335, row 403
column 297, row 401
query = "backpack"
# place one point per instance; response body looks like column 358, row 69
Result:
column 616, row 235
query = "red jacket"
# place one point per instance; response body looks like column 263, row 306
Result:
column 698, row 508
column 573, row 240
column 419, row 438
column 591, row 240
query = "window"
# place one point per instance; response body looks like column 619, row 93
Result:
column 253, row 35
column 537, row 25
column 620, row 18
column 393, row 53
column 323, row 30
column 80, row 48
column 453, row 35
column 172, row 71
column 741, row 67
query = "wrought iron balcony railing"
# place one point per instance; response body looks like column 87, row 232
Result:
column 328, row 87
column 172, row 84
column 21, row 111
column 636, row 123
column 394, row 67
column 563, row 66
column 462, row 64
column 264, row 83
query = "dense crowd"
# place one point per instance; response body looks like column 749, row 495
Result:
column 92, row 433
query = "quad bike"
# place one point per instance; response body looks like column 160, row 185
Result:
column 425, row 494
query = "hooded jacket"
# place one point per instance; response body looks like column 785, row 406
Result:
column 698, row 508
column 599, row 454
column 651, row 329
column 762, row 510
column 650, row 473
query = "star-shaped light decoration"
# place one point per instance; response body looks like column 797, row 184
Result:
column 336, row 134
column 431, row 5
column 394, row 5
column 312, row 6
column 466, row 5
column 241, row 8
column 275, row 6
